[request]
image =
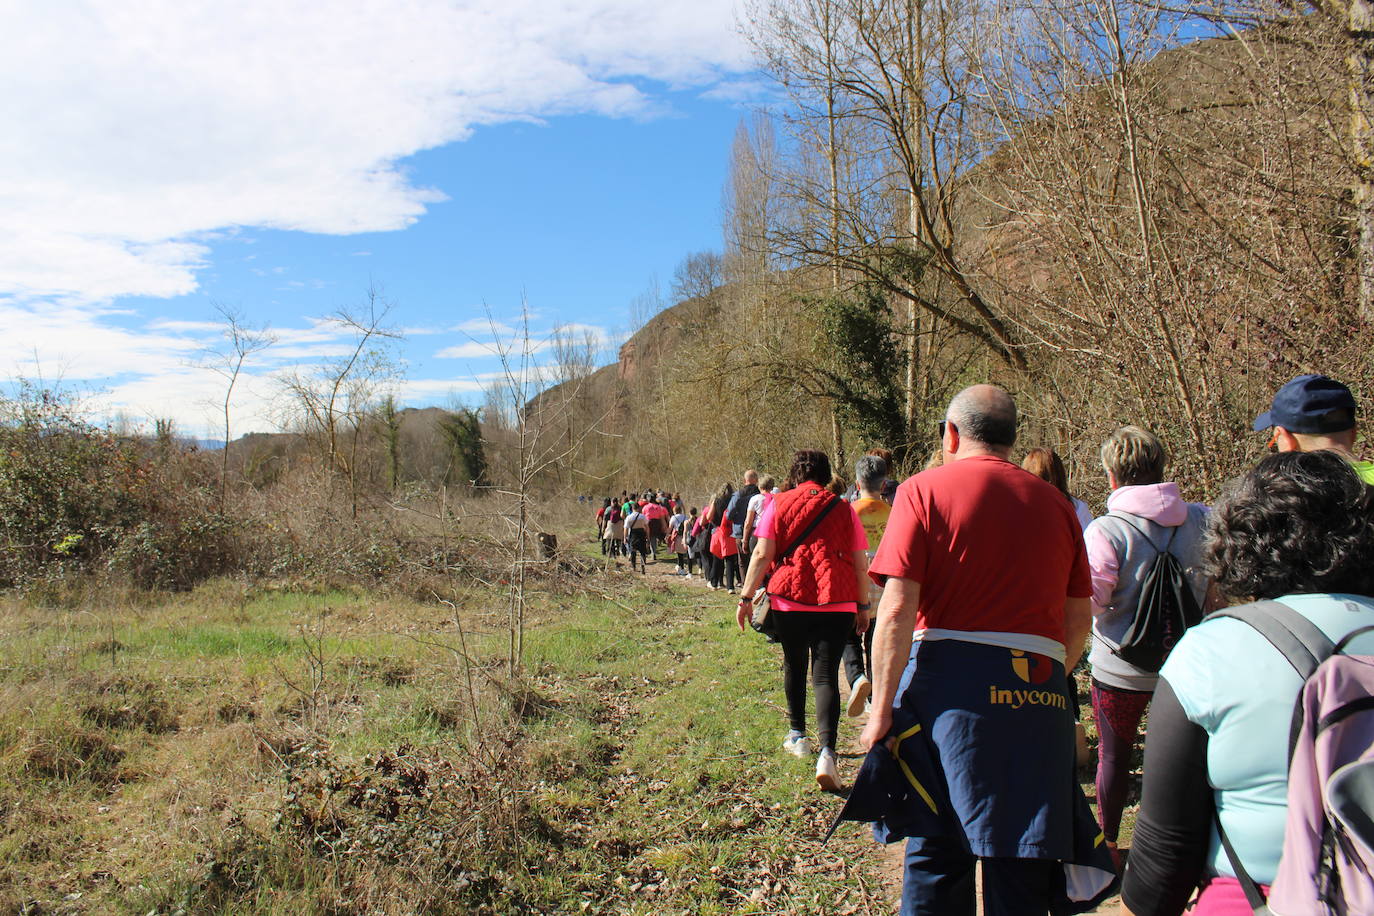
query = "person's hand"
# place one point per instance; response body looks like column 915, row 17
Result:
column 879, row 724
column 862, row 619
column 744, row 614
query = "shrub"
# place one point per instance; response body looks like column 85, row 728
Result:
column 76, row 498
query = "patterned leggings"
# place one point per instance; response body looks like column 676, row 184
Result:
column 1117, row 713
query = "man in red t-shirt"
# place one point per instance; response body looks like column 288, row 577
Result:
column 987, row 578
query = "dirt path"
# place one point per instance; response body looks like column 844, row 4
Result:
column 664, row 571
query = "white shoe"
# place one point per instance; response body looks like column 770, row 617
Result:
column 797, row 744
column 858, row 696
column 827, row 773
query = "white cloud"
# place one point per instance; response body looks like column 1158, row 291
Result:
column 74, row 341
column 151, row 129
column 428, row 391
column 150, row 370
column 473, row 349
column 146, row 126
column 743, row 91
column 484, row 326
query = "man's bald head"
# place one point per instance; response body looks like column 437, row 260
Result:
column 751, row 476
column 984, row 414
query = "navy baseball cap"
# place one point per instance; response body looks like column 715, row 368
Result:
column 1311, row 404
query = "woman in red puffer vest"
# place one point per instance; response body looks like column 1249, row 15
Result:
column 814, row 594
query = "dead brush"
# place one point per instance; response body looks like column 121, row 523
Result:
column 391, row 671
column 399, row 831
column 121, row 701
column 71, row 751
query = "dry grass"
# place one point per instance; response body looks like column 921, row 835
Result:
column 256, row 750
column 142, row 735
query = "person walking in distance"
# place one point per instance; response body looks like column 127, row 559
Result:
column 614, row 535
column 658, row 515
column 714, row 517
column 986, row 603
column 637, row 542
column 738, row 508
column 751, row 517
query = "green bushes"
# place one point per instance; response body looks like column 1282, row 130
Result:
column 77, row 499
column 67, row 490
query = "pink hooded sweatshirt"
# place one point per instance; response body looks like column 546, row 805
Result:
column 1120, row 557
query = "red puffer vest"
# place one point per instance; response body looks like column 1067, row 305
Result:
column 820, row 571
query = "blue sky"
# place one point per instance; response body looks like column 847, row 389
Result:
column 279, row 159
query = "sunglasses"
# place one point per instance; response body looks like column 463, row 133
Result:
column 943, row 424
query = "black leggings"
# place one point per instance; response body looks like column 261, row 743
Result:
column 732, row 576
column 815, row 639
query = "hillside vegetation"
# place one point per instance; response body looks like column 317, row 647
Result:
column 1160, row 236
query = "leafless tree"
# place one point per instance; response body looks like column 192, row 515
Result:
column 241, row 341
column 698, row 274
column 881, row 87
column 646, row 305
column 335, row 396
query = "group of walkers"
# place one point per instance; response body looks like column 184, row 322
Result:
column 961, row 600
column 636, row 524
column 711, row 539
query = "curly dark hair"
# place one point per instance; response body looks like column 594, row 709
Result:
column 1300, row 522
column 809, row 465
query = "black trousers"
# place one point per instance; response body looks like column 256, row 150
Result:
column 713, row 567
column 858, row 655
column 815, row 640
column 732, row 576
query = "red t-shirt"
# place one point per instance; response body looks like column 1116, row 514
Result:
column 994, row 547
column 654, row 510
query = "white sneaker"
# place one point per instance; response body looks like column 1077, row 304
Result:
column 827, row 773
column 858, row 696
column 797, row 744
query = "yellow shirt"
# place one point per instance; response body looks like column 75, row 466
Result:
column 1366, row 470
column 873, row 515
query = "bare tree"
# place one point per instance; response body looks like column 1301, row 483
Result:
column 543, row 422
column 335, row 397
column 645, row 305
column 698, row 275
column 241, row 341
column 890, row 80
column 1159, row 210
